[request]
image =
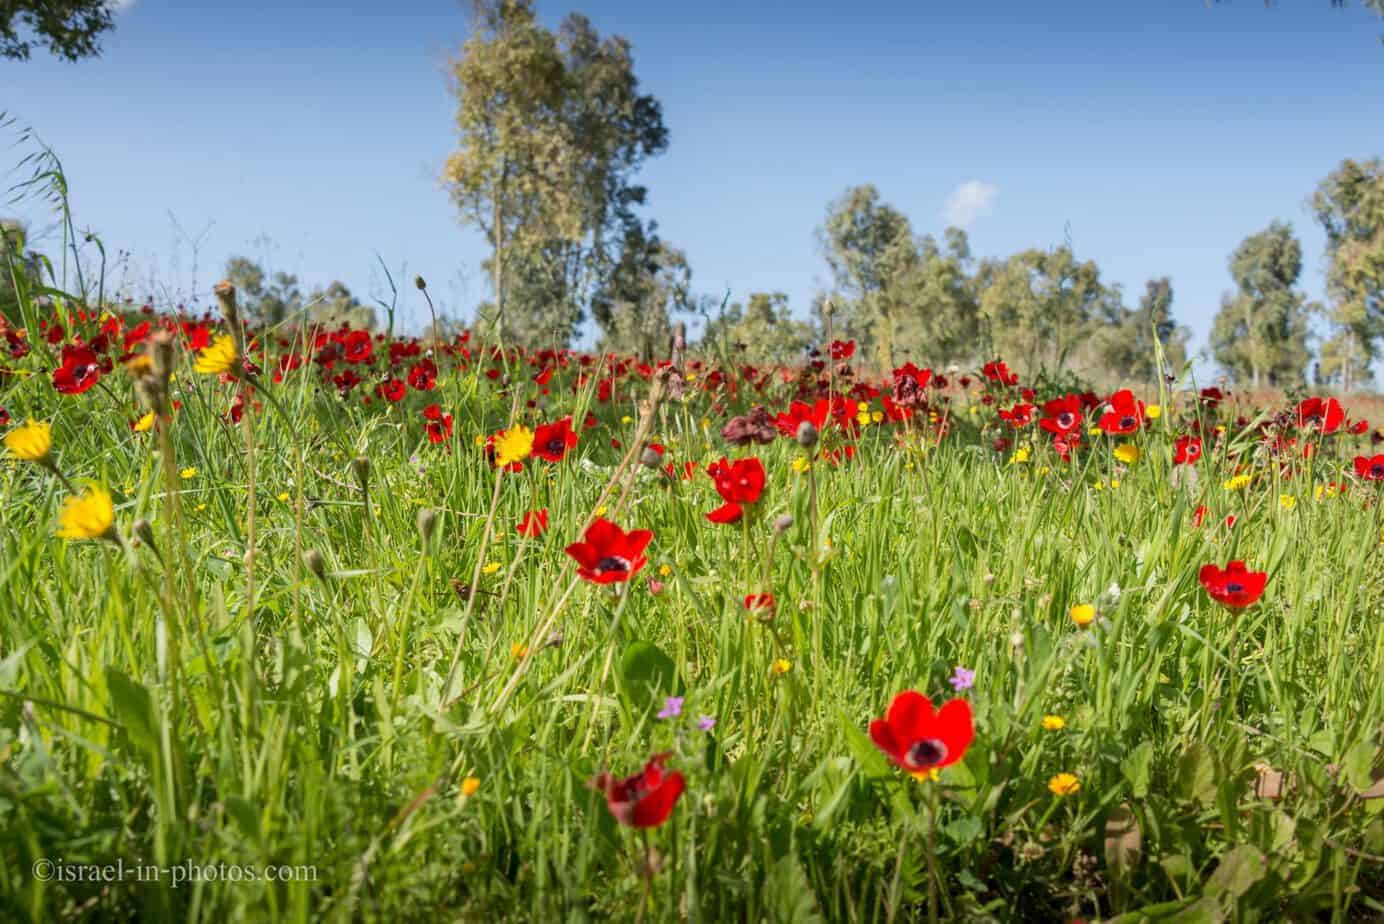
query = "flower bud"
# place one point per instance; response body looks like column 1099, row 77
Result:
column 360, row 467
column 418, row 281
column 784, row 523
column 315, row 563
column 649, row 458
column 144, row 533
column 427, row 520
column 225, row 295
column 807, row 434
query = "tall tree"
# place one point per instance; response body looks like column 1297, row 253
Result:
column 651, row 282
column 266, row 298
column 937, row 319
column 1039, row 305
column 69, row 29
column 869, row 246
column 762, row 332
column 552, row 128
column 1350, row 206
column 1259, row 337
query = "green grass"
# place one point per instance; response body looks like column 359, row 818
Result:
column 146, row 715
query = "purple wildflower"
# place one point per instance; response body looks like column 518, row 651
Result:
column 706, row 723
column 962, row 679
column 672, row 706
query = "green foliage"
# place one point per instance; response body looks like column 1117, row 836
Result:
column 761, row 333
column 1349, row 203
column 1259, row 337
column 69, row 29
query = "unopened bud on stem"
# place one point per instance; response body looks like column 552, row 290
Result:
column 807, row 434
column 427, row 521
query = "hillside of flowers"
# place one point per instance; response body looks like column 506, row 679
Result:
column 459, row 630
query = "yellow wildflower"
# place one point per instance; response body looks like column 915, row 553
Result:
column 1054, row 723
column 1021, row 455
column 513, row 445
column 1094, row 431
column 1153, row 411
column 627, row 420
column 801, row 464
column 31, row 442
column 491, row 568
column 90, row 516
column 518, row 650
column 1127, row 453
column 664, row 570
column 1083, row 614
column 877, row 417
column 283, row 497
column 470, row 786
column 189, row 472
column 144, row 423
column 1287, row 501
column 782, row 666
column 1064, row 784
column 1236, row 483
column 480, row 439
column 219, row 358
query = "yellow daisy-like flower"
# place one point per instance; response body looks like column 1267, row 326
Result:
column 782, row 666
column 1083, row 614
column 626, row 420
column 470, row 786
column 284, row 497
column 31, row 442
column 664, row 570
column 220, row 358
column 1021, row 455
column 1054, row 723
column 602, row 510
column 188, row 473
column 801, row 464
column 1127, row 453
column 144, row 423
column 513, row 445
column 491, row 568
column 1064, row 784
column 1153, row 411
column 89, row 516
column 1094, row 431
column 1287, row 501
column 518, row 650
column 480, row 440
column 1237, row 483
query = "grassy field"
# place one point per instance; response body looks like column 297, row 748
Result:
column 313, row 671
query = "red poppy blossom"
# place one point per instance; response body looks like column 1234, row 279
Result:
column 646, row 799
column 1370, row 469
column 1324, row 415
column 738, row 482
column 799, row 413
column 1020, row 415
column 392, row 390
column 1187, row 450
column 842, row 349
column 422, row 375
column 1062, row 415
column 80, row 369
column 998, row 371
column 439, row 425
column 727, row 513
column 552, row 441
column 1236, row 587
column 608, row 554
column 760, row 603
column 1126, row 413
column 534, row 523
column 919, row 739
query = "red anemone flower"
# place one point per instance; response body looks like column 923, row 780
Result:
column 1062, row 415
column 392, row 390
column 760, row 603
column 1020, row 415
column 552, row 441
column 738, row 482
column 998, row 371
column 1370, row 469
column 919, row 739
column 1325, row 415
column 646, row 799
column 439, row 425
column 1126, row 413
column 79, row 371
column 608, row 554
column 842, row 349
column 727, row 513
column 1188, row 450
column 534, row 523
column 422, row 375
column 1236, row 587
column 799, row 413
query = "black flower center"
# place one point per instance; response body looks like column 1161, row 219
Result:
column 1235, row 587
column 1066, row 419
column 1127, row 422
column 613, row 563
column 926, row 753
column 1377, row 470
column 556, row 444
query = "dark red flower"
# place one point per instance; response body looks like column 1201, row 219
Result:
column 1323, row 415
column 842, row 349
column 646, row 799
column 1188, row 450
column 1126, row 413
column 80, row 369
column 392, row 390
column 608, row 554
column 422, row 375
column 534, row 523
column 909, row 382
column 739, row 482
column 552, row 441
column 998, row 371
column 359, row 347
column 1236, row 587
column 919, row 739
column 1370, row 469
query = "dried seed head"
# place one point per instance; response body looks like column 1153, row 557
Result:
column 418, row 281
column 225, row 295
column 427, row 521
column 807, row 434
column 315, row 563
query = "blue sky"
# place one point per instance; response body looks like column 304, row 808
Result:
column 1156, row 134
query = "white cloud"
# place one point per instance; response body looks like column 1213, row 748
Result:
column 970, row 201
column 119, row 6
